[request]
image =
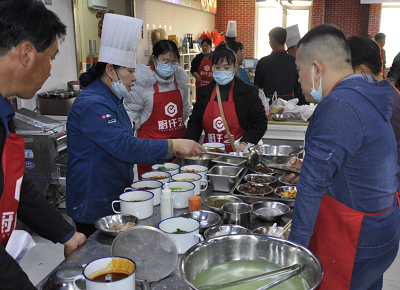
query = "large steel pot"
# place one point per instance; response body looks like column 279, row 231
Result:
column 279, row 154
column 215, row 251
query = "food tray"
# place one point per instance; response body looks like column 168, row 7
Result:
column 251, row 199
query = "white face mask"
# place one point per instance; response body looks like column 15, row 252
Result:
column 316, row 94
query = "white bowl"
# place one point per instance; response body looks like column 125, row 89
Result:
column 144, row 184
column 200, row 184
column 195, row 168
column 174, row 168
column 138, row 203
column 181, row 198
column 154, row 173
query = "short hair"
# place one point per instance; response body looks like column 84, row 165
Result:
column 326, row 43
column 365, row 51
column 28, row 20
column 223, row 51
column 206, row 40
column 97, row 70
column 279, row 34
column 379, row 36
column 368, row 35
column 235, row 46
column 165, row 46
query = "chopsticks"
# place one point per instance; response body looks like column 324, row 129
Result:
column 285, row 228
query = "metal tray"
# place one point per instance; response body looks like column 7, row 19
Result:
column 232, row 161
column 252, row 199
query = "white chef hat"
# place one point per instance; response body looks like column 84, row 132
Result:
column 119, row 38
column 231, row 30
column 293, row 35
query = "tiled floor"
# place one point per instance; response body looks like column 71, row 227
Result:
column 45, row 256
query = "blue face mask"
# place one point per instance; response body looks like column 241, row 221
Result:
column 206, row 52
column 165, row 70
column 316, row 94
column 119, row 88
column 223, row 77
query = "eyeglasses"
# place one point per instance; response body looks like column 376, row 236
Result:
column 175, row 62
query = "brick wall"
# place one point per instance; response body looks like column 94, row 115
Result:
column 317, row 12
column 374, row 19
column 244, row 13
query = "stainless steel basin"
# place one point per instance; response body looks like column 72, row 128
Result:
column 280, row 154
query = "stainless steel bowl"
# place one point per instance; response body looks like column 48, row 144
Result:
column 278, row 191
column 249, row 247
column 206, row 218
column 282, row 180
column 268, row 189
column 250, row 178
column 237, row 214
column 264, row 231
column 224, row 230
column 280, row 117
column 223, row 199
column 280, row 154
column 102, row 223
column 269, row 210
column 63, row 279
column 204, row 159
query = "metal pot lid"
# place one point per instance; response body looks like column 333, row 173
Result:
column 153, row 251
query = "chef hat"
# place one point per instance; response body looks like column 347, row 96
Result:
column 231, row 30
column 119, row 38
column 293, row 35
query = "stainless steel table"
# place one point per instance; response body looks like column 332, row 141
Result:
column 99, row 245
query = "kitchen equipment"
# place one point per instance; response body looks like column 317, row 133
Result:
column 264, row 232
column 162, row 176
column 63, row 279
column 173, row 168
column 280, row 117
column 204, row 159
column 102, row 223
column 237, row 214
column 56, row 102
column 240, row 154
column 220, row 146
column 259, row 188
column 224, row 230
column 153, row 251
column 199, row 183
column 200, row 169
column 249, row 247
column 278, row 191
column 216, row 202
column 281, row 179
column 183, row 231
column 260, row 178
column 181, row 191
column 138, row 203
column 206, row 218
column 110, row 265
column 279, row 154
column 252, row 158
column 261, row 169
column 269, row 210
column 231, row 161
column 153, row 186
column 222, row 178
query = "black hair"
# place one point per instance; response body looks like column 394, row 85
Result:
column 235, row 46
column 207, row 40
column 165, row 46
column 365, row 51
column 28, row 20
column 221, row 52
column 379, row 35
column 95, row 72
column 279, row 34
column 368, row 35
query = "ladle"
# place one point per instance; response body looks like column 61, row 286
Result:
column 291, row 270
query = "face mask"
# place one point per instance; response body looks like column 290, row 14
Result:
column 206, row 52
column 316, row 94
column 119, row 88
column 165, row 70
column 223, row 77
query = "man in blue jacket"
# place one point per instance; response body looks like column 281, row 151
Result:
column 346, row 208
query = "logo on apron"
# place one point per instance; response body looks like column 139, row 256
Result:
column 207, row 68
column 218, row 124
column 171, row 109
column 7, row 222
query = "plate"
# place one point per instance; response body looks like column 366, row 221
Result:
column 281, row 180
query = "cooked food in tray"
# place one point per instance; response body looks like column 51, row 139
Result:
column 261, row 169
column 260, row 178
column 254, row 189
column 287, row 182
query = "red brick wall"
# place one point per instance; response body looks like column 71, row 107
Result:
column 244, row 13
column 374, row 20
column 317, row 12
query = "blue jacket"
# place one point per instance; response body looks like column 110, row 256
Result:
column 102, row 150
column 243, row 75
column 351, row 155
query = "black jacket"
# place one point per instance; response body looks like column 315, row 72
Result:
column 277, row 72
column 196, row 62
column 35, row 212
column 249, row 109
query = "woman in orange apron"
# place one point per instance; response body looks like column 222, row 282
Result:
column 201, row 64
column 242, row 108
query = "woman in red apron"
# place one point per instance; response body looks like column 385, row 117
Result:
column 242, row 108
column 201, row 65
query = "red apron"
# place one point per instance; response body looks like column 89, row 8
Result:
column 383, row 63
column 165, row 122
column 13, row 168
column 334, row 241
column 212, row 121
column 205, row 72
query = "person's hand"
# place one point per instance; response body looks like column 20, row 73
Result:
column 187, row 147
column 198, row 77
column 73, row 243
column 240, row 148
column 293, row 162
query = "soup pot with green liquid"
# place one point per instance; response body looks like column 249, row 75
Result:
column 228, row 258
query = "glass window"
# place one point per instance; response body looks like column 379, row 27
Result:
column 268, row 18
column 390, row 28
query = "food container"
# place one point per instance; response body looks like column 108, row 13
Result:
column 102, row 224
column 265, row 230
column 225, row 230
column 270, row 211
column 138, row 203
column 65, row 278
column 154, row 175
column 278, row 191
column 237, row 214
column 173, row 168
column 206, row 218
column 260, row 178
column 195, row 168
column 153, row 186
column 279, row 154
column 280, row 117
column 199, row 183
column 219, row 250
column 216, row 202
column 231, row 161
column 205, row 159
column 288, row 183
column 181, row 197
column 260, row 189
column 222, row 178
column 262, row 170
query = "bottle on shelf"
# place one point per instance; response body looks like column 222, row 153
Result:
column 185, row 45
column 167, row 203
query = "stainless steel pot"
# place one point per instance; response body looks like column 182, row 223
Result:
column 249, row 247
column 280, row 154
column 237, row 214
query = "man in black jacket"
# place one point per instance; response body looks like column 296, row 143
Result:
column 29, row 35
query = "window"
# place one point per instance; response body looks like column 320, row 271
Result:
column 390, row 12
